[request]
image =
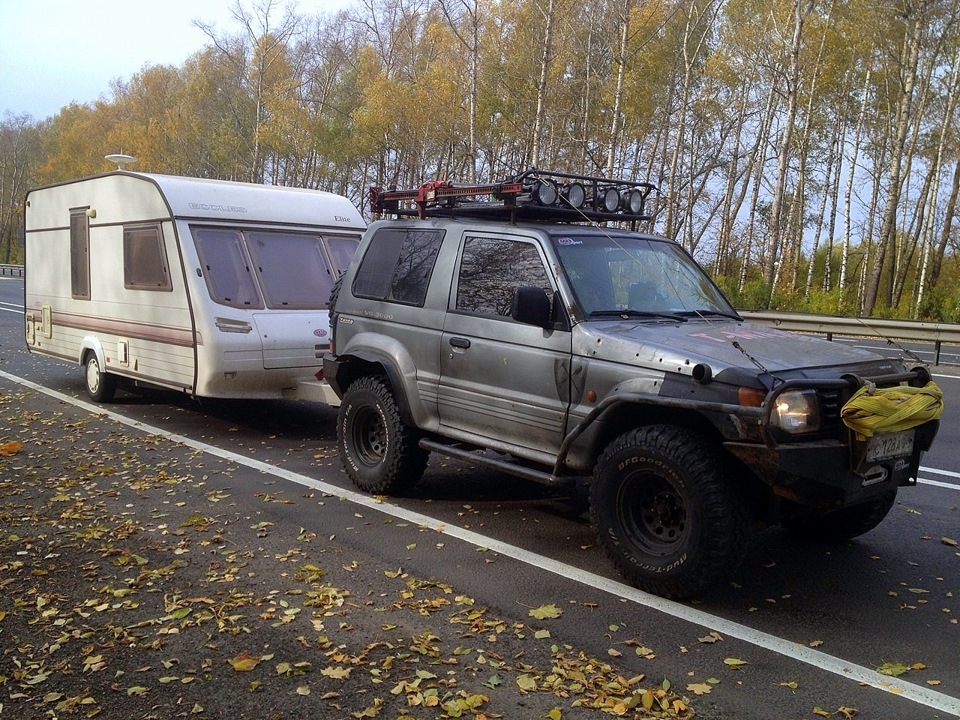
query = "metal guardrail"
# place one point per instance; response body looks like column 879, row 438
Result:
column 926, row 332
column 11, row 270
column 938, row 333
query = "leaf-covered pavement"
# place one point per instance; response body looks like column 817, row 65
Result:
column 137, row 583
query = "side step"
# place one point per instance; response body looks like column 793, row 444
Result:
column 506, row 466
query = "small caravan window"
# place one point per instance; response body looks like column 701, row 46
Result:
column 144, row 259
column 79, row 254
column 292, row 269
column 225, row 267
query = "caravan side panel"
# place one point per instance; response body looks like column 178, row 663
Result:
column 110, row 298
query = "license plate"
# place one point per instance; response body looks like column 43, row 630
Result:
column 888, row 445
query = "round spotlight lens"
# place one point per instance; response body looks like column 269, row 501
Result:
column 609, row 199
column 633, row 202
column 544, row 192
column 575, row 195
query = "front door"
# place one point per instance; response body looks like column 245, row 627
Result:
column 499, row 379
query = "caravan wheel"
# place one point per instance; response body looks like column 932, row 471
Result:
column 101, row 385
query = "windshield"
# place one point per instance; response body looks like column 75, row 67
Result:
column 614, row 275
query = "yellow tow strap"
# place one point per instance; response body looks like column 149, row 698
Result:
column 873, row 410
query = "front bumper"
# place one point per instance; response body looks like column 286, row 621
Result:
column 832, row 474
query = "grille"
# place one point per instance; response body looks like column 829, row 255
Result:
column 830, row 404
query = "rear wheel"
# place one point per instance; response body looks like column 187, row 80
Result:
column 664, row 514
column 380, row 452
column 845, row 524
column 101, row 385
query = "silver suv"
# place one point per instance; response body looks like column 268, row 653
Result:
column 584, row 353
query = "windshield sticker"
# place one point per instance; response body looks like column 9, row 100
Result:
column 568, row 241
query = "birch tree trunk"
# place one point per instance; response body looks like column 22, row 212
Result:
column 801, row 10
column 545, row 57
column 895, row 179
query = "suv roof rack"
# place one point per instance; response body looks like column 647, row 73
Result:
column 539, row 195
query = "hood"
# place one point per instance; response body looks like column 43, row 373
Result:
column 680, row 346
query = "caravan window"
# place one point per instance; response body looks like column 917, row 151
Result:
column 342, row 250
column 226, row 268
column 79, row 254
column 144, row 259
column 292, row 269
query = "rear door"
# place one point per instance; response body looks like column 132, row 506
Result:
column 499, row 379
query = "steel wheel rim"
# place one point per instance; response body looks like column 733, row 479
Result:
column 370, row 437
column 654, row 515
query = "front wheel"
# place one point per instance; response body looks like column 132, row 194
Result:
column 379, row 451
column 669, row 521
column 101, row 385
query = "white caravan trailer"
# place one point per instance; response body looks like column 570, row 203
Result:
column 218, row 289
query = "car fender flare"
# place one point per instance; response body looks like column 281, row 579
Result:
column 401, row 371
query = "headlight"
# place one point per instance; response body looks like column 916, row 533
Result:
column 797, row 411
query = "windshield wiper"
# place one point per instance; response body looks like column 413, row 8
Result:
column 625, row 314
column 710, row 313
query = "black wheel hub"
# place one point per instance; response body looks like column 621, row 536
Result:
column 655, row 515
column 370, row 436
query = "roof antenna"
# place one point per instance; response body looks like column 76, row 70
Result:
column 120, row 159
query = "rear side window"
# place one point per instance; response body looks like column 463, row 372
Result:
column 144, row 259
column 398, row 265
column 226, row 268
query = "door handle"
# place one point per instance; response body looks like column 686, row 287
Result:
column 460, row 342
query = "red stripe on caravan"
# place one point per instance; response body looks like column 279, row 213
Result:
column 126, row 328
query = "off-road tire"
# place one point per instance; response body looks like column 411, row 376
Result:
column 842, row 525
column 101, row 386
column 664, row 513
column 379, row 451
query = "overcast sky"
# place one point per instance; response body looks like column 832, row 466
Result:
column 54, row 52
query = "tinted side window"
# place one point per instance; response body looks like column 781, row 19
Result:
column 225, row 267
column 397, row 265
column 144, row 259
column 492, row 269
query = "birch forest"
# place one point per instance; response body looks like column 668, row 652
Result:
column 805, row 151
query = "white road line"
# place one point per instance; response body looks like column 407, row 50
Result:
column 13, row 308
column 938, row 483
column 794, row 651
column 948, row 473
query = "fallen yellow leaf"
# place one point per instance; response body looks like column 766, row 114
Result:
column 10, row 448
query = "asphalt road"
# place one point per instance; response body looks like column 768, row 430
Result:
column 813, row 624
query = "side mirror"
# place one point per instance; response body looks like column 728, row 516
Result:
column 531, row 306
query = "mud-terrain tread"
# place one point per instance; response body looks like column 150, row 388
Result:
column 402, row 462
column 713, row 551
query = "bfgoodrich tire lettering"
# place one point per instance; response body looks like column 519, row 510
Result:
column 379, row 451
column 664, row 514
